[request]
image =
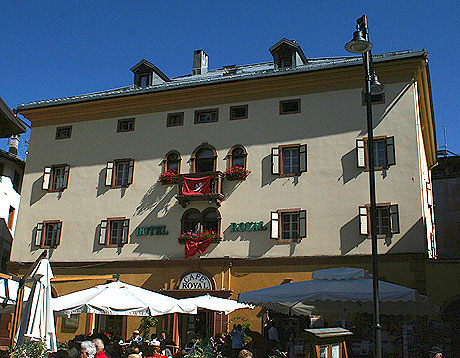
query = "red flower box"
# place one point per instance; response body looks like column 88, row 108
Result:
column 169, row 177
column 237, row 173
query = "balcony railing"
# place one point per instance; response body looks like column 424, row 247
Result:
column 215, row 194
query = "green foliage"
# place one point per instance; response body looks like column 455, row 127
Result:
column 146, row 324
column 240, row 320
column 30, row 349
column 203, row 350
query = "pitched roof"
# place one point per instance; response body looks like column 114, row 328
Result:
column 9, row 123
column 259, row 70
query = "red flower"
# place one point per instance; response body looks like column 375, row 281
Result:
column 237, row 173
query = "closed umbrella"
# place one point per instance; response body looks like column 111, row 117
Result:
column 216, row 304
column 119, row 298
column 37, row 319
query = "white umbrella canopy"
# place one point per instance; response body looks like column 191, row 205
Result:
column 8, row 294
column 119, row 298
column 37, row 319
column 332, row 290
column 216, row 304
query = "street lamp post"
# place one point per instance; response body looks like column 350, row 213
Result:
column 361, row 44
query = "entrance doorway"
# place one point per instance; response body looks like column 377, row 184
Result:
column 202, row 324
column 109, row 324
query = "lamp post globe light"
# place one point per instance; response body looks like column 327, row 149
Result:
column 360, row 44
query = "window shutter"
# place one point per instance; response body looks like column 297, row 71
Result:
column 360, row 153
column 394, row 219
column 109, row 174
column 38, row 234
column 66, row 177
column 124, row 237
column 391, row 158
column 303, row 158
column 302, row 224
column 363, row 220
column 58, row 234
column 274, row 225
column 275, row 160
column 103, row 232
column 130, row 171
column 46, row 178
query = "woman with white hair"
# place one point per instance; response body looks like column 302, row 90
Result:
column 87, row 350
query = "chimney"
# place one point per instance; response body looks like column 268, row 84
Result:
column 14, row 144
column 200, row 62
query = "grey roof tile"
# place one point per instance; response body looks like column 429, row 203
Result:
column 258, row 70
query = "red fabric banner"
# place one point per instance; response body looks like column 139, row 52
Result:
column 196, row 186
column 198, row 244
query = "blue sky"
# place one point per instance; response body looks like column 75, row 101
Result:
column 53, row 49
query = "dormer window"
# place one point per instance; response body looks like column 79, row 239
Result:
column 144, row 80
column 147, row 74
column 287, row 53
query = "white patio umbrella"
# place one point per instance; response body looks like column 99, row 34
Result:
column 37, row 320
column 119, row 298
column 216, row 304
column 341, row 289
column 8, row 294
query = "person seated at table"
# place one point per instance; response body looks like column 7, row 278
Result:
column 155, row 343
column 136, row 338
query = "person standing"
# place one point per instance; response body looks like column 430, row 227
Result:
column 87, row 350
column 237, row 339
column 100, row 353
column 273, row 338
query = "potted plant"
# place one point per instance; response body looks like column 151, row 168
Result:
column 237, row 173
column 169, row 177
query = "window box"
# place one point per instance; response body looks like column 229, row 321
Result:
column 237, row 173
column 170, row 177
column 198, row 237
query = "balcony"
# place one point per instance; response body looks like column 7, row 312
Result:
column 214, row 194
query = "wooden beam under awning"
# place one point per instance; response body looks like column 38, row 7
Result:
column 84, row 278
column 195, row 293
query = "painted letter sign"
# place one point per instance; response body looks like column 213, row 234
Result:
column 248, row 226
column 195, row 281
column 151, row 230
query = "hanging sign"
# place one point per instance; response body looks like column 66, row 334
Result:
column 248, row 226
column 151, row 230
column 195, row 281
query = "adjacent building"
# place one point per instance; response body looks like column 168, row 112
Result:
column 230, row 179
column 11, row 172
